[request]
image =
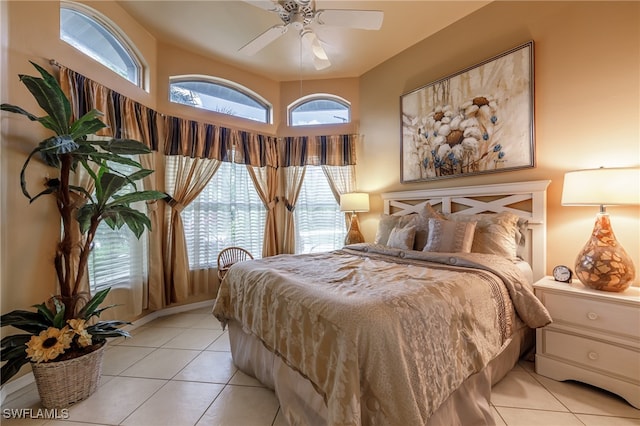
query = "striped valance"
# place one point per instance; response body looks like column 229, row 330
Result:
column 129, row 119
column 124, row 117
column 336, row 150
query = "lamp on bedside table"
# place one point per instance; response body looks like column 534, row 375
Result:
column 603, row 264
column 354, row 202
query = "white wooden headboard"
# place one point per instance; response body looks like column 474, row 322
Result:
column 526, row 199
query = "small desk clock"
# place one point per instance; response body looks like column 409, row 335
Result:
column 562, row 273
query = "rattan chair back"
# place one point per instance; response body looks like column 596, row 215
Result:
column 230, row 256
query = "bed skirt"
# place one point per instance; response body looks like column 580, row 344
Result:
column 302, row 405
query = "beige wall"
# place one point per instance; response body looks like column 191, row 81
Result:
column 587, row 105
column 587, row 109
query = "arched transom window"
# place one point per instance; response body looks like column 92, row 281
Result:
column 319, row 109
column 219, row 95
column 95, row 36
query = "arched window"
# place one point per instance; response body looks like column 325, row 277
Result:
column 93, row 34
column 219, row 95
column 319, row 109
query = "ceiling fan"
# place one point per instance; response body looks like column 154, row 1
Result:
column 302, row 16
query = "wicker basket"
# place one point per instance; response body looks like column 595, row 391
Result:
column 63, row 383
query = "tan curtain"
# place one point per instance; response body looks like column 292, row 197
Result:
column 154, row 297
column 292, row 182
column 265, row 180
column 192, row 176
column 342, row 180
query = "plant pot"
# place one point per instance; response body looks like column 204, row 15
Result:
column 63, row 383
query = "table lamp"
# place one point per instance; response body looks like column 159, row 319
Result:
column 603, row 264
column 354, row 202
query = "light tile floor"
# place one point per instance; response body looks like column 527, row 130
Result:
column 177, row 370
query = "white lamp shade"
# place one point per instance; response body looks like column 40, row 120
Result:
column 354, row 202
column 615, row 186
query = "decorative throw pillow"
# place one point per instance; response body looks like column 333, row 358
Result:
column 521, row 236
column 421, row 222
column 387, row 223
column 495, row 233
column 450, row 236
column 402, row 238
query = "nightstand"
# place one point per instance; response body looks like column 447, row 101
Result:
column 594, row 337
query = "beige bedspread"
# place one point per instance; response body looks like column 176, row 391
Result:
column 384, row 335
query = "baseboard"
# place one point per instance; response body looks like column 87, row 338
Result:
column 21, row 382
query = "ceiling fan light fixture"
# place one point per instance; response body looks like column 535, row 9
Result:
column 311, row 42
column 321, row 64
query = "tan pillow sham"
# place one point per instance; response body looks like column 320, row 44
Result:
column 419, row 220
column 450, row 236
column 496, row 233
column 386, row 225
column 402, row 238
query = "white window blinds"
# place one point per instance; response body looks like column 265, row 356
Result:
column 320, row 226
column 118, row 258
column 228, row 212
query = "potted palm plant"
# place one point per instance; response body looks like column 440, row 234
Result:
column 66, row 327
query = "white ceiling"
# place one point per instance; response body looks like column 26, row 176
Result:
column 217, row 29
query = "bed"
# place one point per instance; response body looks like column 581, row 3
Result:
column 385, row 333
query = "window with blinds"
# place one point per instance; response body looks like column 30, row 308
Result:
column 228, row 212
column 320, row 226
column 118, row 258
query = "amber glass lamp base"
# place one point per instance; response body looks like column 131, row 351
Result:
column 603, row 264
column 354, row 236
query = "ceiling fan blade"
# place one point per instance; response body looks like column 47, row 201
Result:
column 360, row 19
column 263, row 40
column 264, row 4
column 321, row 64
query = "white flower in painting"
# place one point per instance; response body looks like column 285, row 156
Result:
column 441, row 115
column 483, row 107
column 458, row 151
column 459, row 131
column 443, row 150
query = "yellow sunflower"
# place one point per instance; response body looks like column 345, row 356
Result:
column 78, row 327
column 48, row 344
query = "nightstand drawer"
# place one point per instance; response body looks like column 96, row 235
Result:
column 600, row 315
column 593, row 354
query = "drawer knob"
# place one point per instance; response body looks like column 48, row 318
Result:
column 592, row 316
column 593, row 356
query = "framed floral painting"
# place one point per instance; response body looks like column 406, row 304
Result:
column 479, row 120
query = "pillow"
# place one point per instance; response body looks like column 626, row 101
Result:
column 421, row 222
column 521, row 236
column 495, row 233
column 386, row 225
column 402, row 238
column 450, row 236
